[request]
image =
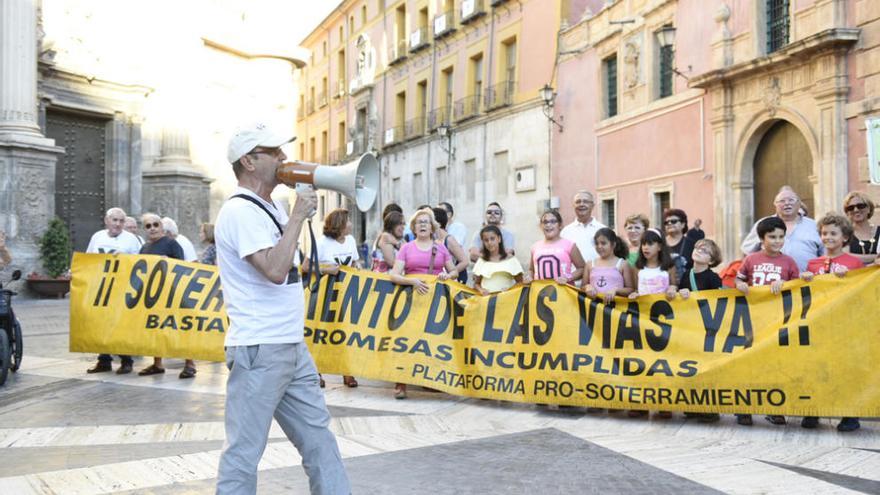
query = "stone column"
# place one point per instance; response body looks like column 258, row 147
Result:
column 18, row 67
column 27, row 158
column 175, row 187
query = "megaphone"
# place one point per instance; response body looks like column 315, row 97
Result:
column 358, row 180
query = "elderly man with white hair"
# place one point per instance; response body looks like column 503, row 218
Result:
column 584, row 228
column 802, row 240
column 189, row 251
column 113, row 239
column 131, row 226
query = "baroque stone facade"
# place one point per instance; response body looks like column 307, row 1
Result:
column 699, row 148
column 145, row 120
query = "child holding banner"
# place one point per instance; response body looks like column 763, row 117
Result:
column 555, row 258
column 835, row 231
column 769, row 266
column 496, row 270
column 706, row 255
column 609, row 275
column 655, row 270
column 655, row 274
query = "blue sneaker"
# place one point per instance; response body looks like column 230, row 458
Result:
column 849, row 424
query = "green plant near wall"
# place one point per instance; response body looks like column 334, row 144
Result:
column 55, row 249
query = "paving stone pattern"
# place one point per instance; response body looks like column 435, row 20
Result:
column 63, row 431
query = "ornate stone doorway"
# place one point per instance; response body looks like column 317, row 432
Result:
column 79, row 174
column 782, row 158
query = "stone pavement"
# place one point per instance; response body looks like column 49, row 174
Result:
column 63, row 431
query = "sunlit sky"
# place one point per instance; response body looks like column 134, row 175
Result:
column 293, row 20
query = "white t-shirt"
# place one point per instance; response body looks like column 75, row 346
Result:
column 583, row 235
column 189, row 251
column 124, row 243
column 330, row 251
column 260, row 311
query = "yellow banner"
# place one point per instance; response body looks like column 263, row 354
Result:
column 812, row 350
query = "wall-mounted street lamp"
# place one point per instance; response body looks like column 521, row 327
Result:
column 444, row 130
column 549, row 98
column 666, row 38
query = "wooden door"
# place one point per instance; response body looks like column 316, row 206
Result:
column 782, row 158
column 79, row 174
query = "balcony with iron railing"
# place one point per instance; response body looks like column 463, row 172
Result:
column 340, row 88
column 418, row 39
column 337, row 155
column 471, row 10
column 444, row 23
column 467, row 107
column 439, row 116
column 394, row 135
column 397, row 52
column 415, row 128
column 322, row 99
column 500, row 95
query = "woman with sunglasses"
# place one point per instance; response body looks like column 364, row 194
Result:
column 161, row 245
column 680, row 239
column 859, row 209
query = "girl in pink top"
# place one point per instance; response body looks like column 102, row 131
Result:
column 655, row 273
column 609, row 275
column 555, row 258
column 421, row 256
column 655, row 270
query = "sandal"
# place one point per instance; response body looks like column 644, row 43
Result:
column 350, row 381
column 187, row 372
column 151, row 370
column 775, row 419
column 400, row 391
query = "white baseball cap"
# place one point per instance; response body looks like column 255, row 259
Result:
column 249, row 137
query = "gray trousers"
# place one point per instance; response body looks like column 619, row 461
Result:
column 277, row 380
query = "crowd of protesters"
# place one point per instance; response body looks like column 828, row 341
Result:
column 121, row 235
column 674, row 260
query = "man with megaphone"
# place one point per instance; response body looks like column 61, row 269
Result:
column 271, row 373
